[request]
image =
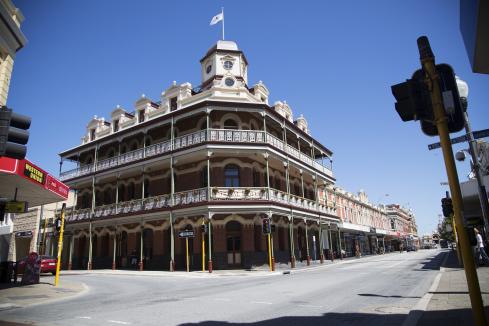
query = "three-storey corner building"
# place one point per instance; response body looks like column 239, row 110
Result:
column 218, row 155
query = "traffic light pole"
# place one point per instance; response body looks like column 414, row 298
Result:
column 60, row 244
column 432, row 82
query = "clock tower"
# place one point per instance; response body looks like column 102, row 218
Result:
column 224, row 65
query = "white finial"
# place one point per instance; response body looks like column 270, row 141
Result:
column 95, row 117
column 174, row 83
column 260, row 82
column 143, row 96
column 285, row 102
column 118, row 106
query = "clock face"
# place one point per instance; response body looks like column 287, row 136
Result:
column 228, row 65
column 208, row 69
column 229, row 82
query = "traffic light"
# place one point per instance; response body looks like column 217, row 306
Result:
column 203, row 228
column 57, row 224
column 446, row 205
column 266, row 226
column 414, row 100
column 13, row 133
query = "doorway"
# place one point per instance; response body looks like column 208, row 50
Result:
column 233, row 243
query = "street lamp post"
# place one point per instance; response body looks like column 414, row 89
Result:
column 463, row 90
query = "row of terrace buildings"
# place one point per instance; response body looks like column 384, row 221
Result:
column 218, row 155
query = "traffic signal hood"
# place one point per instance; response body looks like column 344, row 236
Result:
column 14, row 133
column 414, row 100
column 204, row 228
column 57, row 224
column 266, row 226
column 447, row 207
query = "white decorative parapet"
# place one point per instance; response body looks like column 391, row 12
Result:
column 241, row 193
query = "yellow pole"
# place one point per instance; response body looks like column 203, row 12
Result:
column 60, row 244
column 186, row 250
column 459, row 257
column 203, row 247
column 269, row 252
column 432, row 81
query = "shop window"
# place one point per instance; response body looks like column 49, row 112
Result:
column 231, row 175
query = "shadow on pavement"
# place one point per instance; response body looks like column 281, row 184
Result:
column 456, row 317
column 385, row 296
column 433, row 263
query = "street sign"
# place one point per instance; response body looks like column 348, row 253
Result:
column 186, row 234
column 23, row 234
column 16, row 207
column 477, row 134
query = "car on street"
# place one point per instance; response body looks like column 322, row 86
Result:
column 48, row 264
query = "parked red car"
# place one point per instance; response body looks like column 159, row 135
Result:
column 48, row 265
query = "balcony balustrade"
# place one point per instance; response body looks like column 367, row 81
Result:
column 201, row 136
column 199, row 196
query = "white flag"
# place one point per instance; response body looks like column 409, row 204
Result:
column 216, row 19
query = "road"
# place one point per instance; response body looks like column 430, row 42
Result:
column 378, row 290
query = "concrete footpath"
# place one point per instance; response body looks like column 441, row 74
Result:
column 17, row 296
column 449, row 302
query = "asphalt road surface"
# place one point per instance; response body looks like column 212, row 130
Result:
column 378, row 290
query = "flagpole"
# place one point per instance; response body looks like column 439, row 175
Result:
column 222, row 12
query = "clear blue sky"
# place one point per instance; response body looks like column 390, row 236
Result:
column 333, row 61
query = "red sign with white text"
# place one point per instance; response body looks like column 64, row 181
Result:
column 57, row 186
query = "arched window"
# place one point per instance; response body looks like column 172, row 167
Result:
column 231, row 175
column 203, row 177
column 107, row 196
column 122, row 193
column 134, row 147
column 147, row 193
column 111, row 153
column 256, row 178
column 130, row 191
column 230, row 124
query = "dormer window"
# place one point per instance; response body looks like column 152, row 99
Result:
column 115, row 125
column 228, row 64
column 208, row 69
column 141, row 116
column 92, row 134
column 173, row 103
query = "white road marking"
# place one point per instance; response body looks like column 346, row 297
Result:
column 118, row 322
column 84, row 317
column 261, row 302
column 309, row 306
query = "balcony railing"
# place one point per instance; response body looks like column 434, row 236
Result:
column 229, row 193
column 198, row 196
column 201, row 136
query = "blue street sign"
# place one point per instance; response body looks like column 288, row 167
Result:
column 477, row 134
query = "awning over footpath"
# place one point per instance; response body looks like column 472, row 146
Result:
column 33, row 184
